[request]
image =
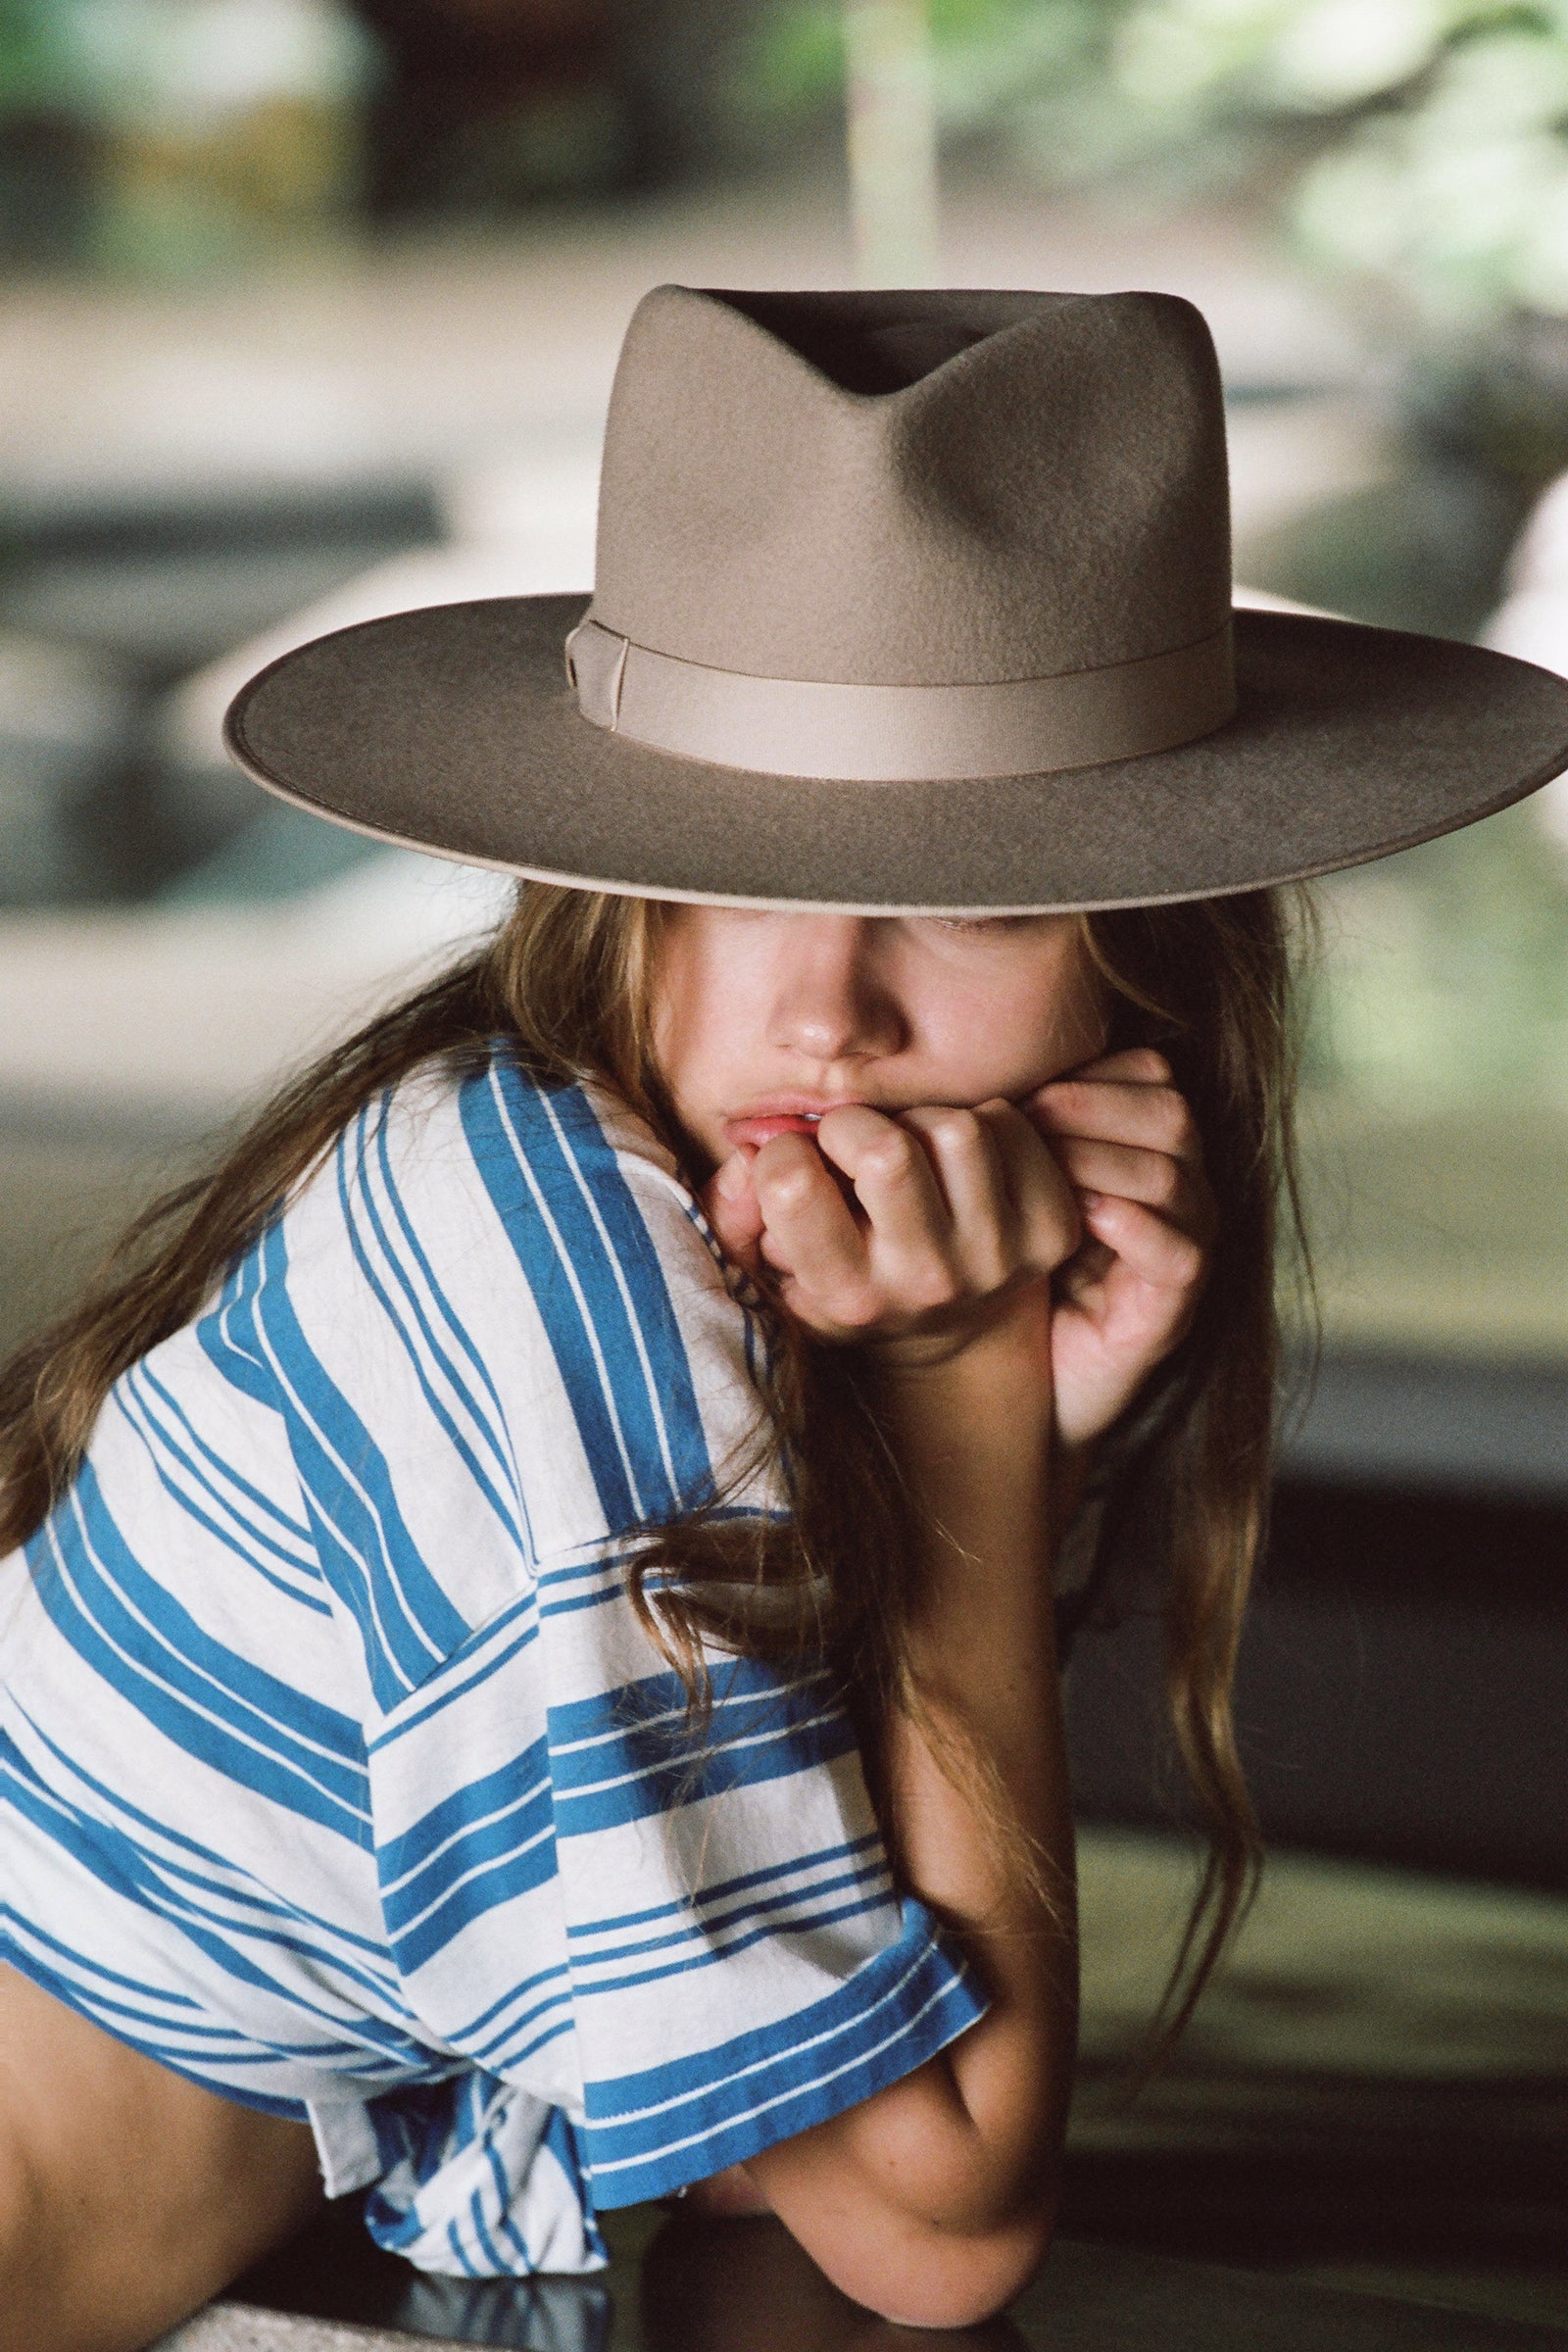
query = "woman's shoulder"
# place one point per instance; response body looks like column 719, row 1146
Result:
column 538, row 1235
column 488, row 1146
column 545, row 1225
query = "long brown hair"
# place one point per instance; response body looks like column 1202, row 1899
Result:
column 567, row 978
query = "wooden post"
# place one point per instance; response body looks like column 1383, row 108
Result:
column 892, row 142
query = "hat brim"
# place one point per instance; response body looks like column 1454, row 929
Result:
column 452, row 729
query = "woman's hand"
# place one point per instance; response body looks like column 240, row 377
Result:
column 1127, row 1144
column 956, row 1215
column 1097, row 1181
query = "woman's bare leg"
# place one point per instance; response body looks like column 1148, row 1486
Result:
column 128, row 2195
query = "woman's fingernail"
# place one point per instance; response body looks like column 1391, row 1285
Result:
column 734, row 1177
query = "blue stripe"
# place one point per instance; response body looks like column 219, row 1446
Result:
column 114, row 1803
column 582, row 1600
column 367, row 1552
column 189, row 1866
column 391, row 2226
column 499, row 1159
column 501, row 2193
column 495, row 1428
column 651, row 2133
column 500, row 1503
column 723, row 1888
column 709, row 1957
column 590, row 1262
column 459, row 2255
column 513, row 1992
column 445, row 1836
column 565, row 2143
column 216, row 2046
column 160, row 1445
column 202, row 1695
column 162, row 1889
column 502, row 2052
column 61, row 1987
column 487, row 1844
column 99, row 1970
column 622, row 1755
column 113, row 1994
column 358, row 2042
column 516, row 2042
column 301, row 1554
column 667, row 1416
column 227, row 1338
column 448, row 1687
column 793, row 1913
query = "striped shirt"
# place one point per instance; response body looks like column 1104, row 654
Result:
column 337, row 1771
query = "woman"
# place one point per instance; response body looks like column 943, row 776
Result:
column 530, row 1665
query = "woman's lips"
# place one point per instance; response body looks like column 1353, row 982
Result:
column 761, row 1130
column 780, row 1115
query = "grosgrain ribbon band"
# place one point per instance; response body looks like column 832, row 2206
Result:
column 902, row 734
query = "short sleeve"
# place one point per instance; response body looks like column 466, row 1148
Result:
column 686, row 1938
column 742, row 1965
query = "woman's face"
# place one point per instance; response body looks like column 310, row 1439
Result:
column 762, row 1021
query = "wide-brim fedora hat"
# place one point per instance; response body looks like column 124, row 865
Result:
column 904, row 600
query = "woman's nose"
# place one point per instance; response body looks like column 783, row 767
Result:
column 831, row 1000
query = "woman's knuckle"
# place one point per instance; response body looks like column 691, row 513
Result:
column 931, row 1283
column 858, row 1309
column 849, row 1298
column 890, row 1157
column 1166, row 1186
column 1188, row 1261
column 1174, row 1120
column 956, row 1129
column 994, row 1268
column 788, row 1189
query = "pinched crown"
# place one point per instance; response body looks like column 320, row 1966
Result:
column 914, row 489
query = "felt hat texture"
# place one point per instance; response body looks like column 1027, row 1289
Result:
column 904, row 600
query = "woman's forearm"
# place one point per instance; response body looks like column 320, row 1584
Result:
column 977, row 1774
column 947, row 2178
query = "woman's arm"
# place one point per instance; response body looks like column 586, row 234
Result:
column 933, row 2201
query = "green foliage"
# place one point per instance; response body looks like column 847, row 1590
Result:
column 986, row 54
column 799, row 57
column 173, row 60
column 1419, row 145
column 1033, row 77
column 1442, row 163
column 37, row 72
column 1444, row 973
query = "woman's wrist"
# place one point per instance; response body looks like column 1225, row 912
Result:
column 1001, row 1343
column 971, row 1434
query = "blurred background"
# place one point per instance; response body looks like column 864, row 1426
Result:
column 308, row 310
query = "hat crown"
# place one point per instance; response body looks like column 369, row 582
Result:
column 915, row 488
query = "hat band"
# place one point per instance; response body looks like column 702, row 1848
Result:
column 902, row 734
